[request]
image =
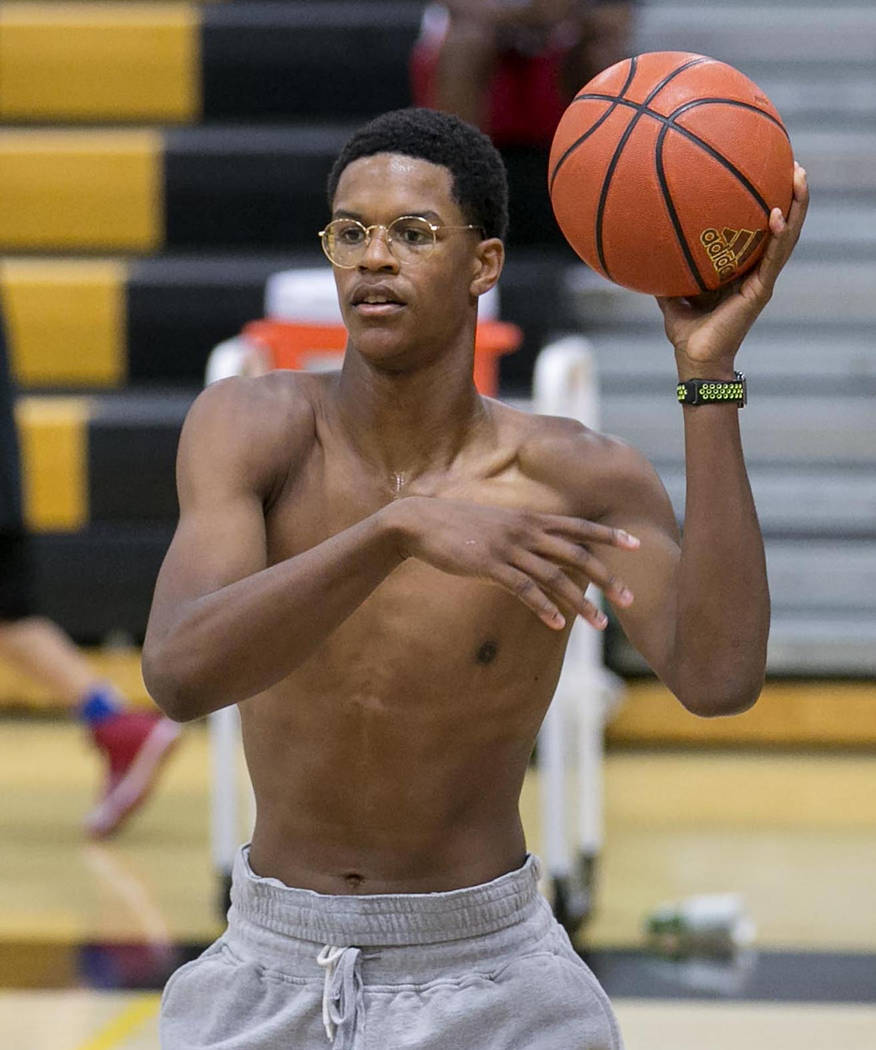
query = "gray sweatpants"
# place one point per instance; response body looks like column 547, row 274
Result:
column 482, row 968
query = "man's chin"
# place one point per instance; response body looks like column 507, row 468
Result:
column 380, row 346
column 386, row 331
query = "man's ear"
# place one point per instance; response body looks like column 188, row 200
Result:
column 488, row 265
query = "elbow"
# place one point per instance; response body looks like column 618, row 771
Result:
column 169, row 687
column 722, row 683
column 714, row 700
column 716, row 696
column 716, row 705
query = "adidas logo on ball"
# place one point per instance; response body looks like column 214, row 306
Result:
column 728, row 249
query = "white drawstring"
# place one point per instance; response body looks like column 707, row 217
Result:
column 341, row 993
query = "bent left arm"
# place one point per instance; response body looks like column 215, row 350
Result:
column 700, row 613
column 701, row 609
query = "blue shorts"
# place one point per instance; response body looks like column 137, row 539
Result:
column 481, row 968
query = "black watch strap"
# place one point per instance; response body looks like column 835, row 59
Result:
column 714, row 391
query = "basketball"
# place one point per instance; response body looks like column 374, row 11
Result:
column 664, row 169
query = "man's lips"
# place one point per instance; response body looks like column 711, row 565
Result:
column 366, row 309
column 375, row 299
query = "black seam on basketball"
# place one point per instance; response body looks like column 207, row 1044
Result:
column 669, row 121
column 731, row 102
column 609, row 174
column 729, row 165
column 673, row 214
column 634, row 65
column 640, row 106
column 602, row 119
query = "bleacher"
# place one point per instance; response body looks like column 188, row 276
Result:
column 158, row 161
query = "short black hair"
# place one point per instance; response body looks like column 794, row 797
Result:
column 479, row 179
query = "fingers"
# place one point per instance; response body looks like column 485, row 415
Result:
column 801, row 188
column 785, row 232
column 522, row 586
column 797, row 211
column 563, row 543
column 791, row 227
column 559, row 552
column 541, row 582
column 544, row 587
column 535, row 565
column 580, row 530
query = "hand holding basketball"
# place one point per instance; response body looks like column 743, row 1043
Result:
column 709, row 329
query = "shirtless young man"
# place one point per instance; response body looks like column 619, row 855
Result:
column 382, row 567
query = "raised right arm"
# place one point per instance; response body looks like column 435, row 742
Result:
column 224, row 625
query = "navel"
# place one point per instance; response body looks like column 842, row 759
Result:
column 487, row 652
column 354, row 881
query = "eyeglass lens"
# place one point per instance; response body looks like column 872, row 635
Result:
column 346, row 240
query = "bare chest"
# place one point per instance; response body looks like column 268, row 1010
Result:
column 422, row 633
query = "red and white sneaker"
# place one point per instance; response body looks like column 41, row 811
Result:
column 136, row 745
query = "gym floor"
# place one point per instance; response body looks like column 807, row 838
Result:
column 88, row 931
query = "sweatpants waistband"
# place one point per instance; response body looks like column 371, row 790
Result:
column 387, row 920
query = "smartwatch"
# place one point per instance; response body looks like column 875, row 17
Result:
column 714, row 391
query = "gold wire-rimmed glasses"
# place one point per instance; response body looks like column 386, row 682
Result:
column 409, row 238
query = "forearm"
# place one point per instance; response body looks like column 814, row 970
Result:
column 721, row 624
column 722, row 616
column 244, row 637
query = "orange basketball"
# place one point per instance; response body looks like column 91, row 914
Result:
column 663, row 172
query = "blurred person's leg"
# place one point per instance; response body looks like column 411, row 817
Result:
column 133, row 744
column 39, row 648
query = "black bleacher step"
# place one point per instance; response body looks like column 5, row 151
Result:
column 245, row 186
column 180, row 307
column 311, row 61
column 100, row 581
column 132, row 443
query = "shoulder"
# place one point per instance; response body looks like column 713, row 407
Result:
column 252, row 426
column 550, row 444
column 598, row 474
column 243, row 408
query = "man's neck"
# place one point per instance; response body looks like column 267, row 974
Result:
column 408, row 423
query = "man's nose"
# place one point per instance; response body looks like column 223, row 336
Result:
column 378, row 253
